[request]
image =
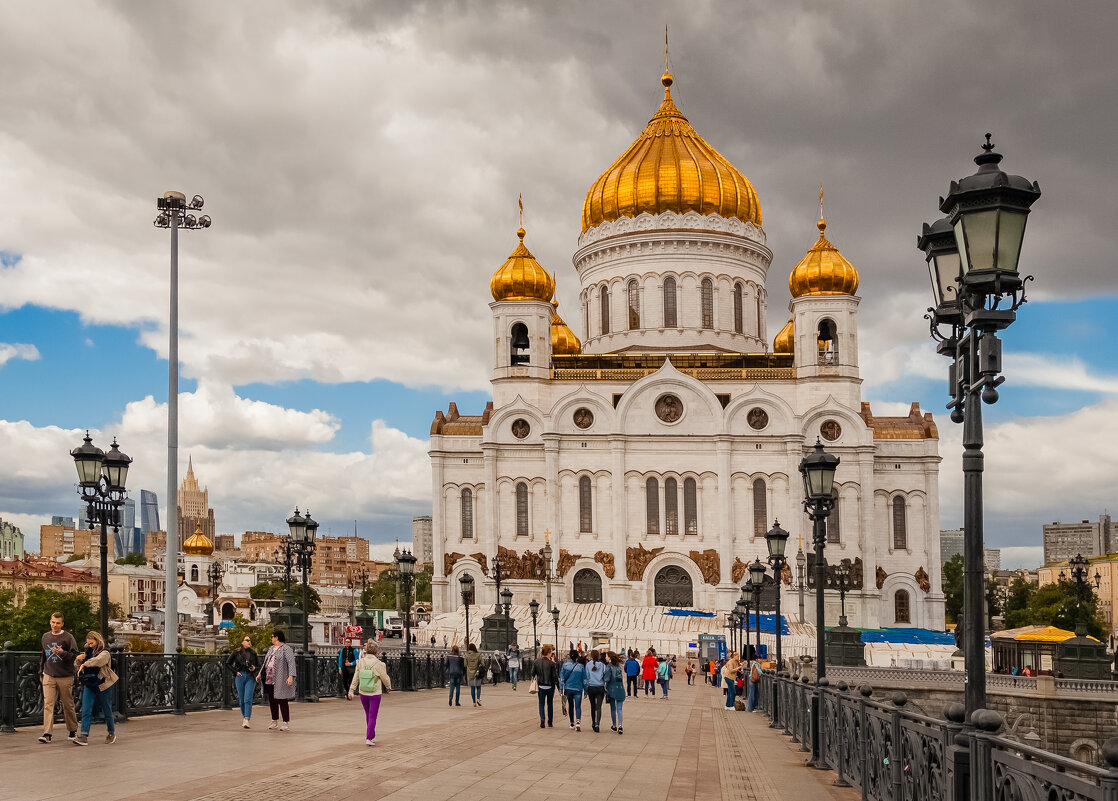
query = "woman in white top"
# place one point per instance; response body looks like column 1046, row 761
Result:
column 370, row 679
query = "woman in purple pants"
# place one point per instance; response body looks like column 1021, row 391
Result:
column 370, row 679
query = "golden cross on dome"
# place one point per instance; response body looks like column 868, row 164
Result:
column 666, row 48
column 520, row 202
column 821, row 201
column 799, row 542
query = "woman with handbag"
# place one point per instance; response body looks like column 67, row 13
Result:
column 474, row 673
column 278, row 673
column 546, row 677
column 245, row 664
column 730, row 677
column 573, row 679
column 97, row 678
column 370, row 679
column 615, row 690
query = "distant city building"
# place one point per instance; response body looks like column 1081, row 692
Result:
column 20, row 575
column 225, row 542
column 128, row 537
column 1107, row 591
column 421, row 539
column 338, row 561
column 992, row 557
column 155, row 545
column 194, row 508
column 950, row 544
column 58, row 520
column 61, row 543
column 1064, row 540
column 262, row 546
column 149, row 511
column 1004, row 578
column 11, row 541
column 131, row 587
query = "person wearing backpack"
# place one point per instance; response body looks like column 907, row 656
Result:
column 573, row 680
column 370, row 679
column 615, row 691
column 755, row 673
column 664, row 676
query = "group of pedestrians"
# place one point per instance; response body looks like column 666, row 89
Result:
column 597, row 675
column 276, row 670
column 653, row 670
column 738, row 677
column 60, row 665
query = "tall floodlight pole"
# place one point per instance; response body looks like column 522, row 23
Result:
column 174, row 213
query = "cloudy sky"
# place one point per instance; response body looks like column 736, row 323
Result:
column 362, row 161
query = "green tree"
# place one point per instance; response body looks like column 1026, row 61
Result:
column 1016, row 607
column 993, row 601
column 953, row 588
column 261, row 636
column 24, row 625
column 75, row 557
column 271, row 590
column 1060, row 605
column 136, row 559
column 381, row 594
column 423, row 583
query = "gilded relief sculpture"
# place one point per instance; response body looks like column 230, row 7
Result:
column 922, row 579
column 881, row 576
column 606, row 561
column 737, row 570
column 709, row 565
column 637, row 559
column 566, row 562
column 448, row 561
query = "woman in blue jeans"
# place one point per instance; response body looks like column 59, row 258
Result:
column 730, row 678
column 573, row 680
column 245, row 664
column 97, row 678
column 455, row 672
column 547, row 675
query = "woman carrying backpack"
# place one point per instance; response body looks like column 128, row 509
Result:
column 573, row 680
column 615, row 690
column 370, row 678
column 474, row 671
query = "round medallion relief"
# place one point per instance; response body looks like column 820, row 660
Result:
column 757, row 418
column 830, row 430
column 520, row 428
column 669, row 408
column 584, row 418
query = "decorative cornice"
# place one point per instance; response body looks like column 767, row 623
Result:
column 672, row 221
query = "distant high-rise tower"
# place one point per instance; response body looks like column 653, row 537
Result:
column 421, row 539
column 194, row 507
column 149, row 511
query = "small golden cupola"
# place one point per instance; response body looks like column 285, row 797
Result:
column 823, row 270
column 521, row 277
column 198, row 544
column 563, row 339
column 785, row 341
column 670, row 167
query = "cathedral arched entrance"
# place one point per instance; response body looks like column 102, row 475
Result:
column 228, row 611
column 672, row 587
column 587, row 587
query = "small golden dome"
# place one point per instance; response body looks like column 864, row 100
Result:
column 563, row 339
column 785, row 341
column 198, row 544
column 521, row 277
column 823, row 271
column 670, row 168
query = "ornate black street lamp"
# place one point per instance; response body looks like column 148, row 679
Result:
column 534, row 608
column 555, row 620
column 176, row 213
column 745, row 601
column 732, row 623
column 466, row 583
column 214, row 574
column 506, row 600
column 303, row 531
column 407, row 581
column 1080, row 568
column 101, row 480
column 757, row 579
column 742, row 615
column 777, row 540
column 545, row 552
column 818, row 471
column 972, row 256
column 841, row 578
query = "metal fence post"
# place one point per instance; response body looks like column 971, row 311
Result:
column 8, row 690
column 120, row 702
column 986, row 723
column 1109, row 783
column 180, row 682
column 957, row 754
column 866, row 691
column 896, row 769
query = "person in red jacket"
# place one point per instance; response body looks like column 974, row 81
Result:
column 648, row 671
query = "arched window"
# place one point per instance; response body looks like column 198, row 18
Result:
column 900, row 607
column 760, row 317
column 834, row 534
column 828, row 342
column 194, row 574
column 671, row 506
column 738, row 326
column 588, row 587
column 690, row 507
column 522, row 509
column 519, row 348
column 707, row 303
column 634, row 305
column 603, row 301
column 585, row 510
column 760, row 508
column 652, row 506
column 672, row 587
column 467, row 514
column 900, row 525
column 669, row 303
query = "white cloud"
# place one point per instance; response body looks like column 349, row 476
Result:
column 1026, row 556
column 1063, row 372
column 9, row 351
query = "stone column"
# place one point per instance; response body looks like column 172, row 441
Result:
column 551, row 466
column 441, row 598
column 725, row 510
column 489, row 535
column 618, row 506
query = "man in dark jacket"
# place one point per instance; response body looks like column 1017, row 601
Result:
column 56, row 673
column 347, row 658
column 632, row 671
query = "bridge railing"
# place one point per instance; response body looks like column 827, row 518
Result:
column 894, row 754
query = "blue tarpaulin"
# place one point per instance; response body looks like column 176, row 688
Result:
column 688, row 613
column 768, row 623
column 907, row 635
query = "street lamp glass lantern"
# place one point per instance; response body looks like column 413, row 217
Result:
column 466, row 582
column 312, row 528
column 818, row 469
column 115, row 468
column 534, row 605
column 506, row 596
column 555, row 616
column 297, row 525
column 757, row 573
column 407, row 563
column 88, row 459
column 944, row 268
column 746, row 592
column 777, row 540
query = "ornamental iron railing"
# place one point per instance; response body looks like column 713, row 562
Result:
column 893, row 754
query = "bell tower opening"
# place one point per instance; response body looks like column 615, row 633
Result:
column 828, row 342
column 519, row 346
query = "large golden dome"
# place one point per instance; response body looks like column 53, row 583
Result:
column 521, row 277
column 563, row 339
column 198, row 544
column 823, row 271
column 670, row 168
column 785, row 341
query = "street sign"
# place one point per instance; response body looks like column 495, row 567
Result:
column 353, row 631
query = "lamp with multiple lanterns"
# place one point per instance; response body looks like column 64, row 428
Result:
column 303, row 530
column 466, row 584
column 406, row 566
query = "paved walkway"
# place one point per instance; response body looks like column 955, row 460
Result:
column 684, row 748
